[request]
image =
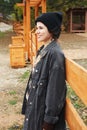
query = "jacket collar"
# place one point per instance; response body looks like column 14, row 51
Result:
column 45, row 50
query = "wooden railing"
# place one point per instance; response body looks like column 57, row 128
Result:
column 18, row 28
column 76, row 77
column 34, row 45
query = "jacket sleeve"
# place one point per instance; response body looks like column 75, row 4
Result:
column 56, row 90
column 24, row 99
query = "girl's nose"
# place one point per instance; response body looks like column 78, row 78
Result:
column 37, row 31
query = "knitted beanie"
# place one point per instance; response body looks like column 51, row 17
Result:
column 51, row 20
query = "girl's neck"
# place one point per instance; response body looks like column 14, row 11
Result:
column 47, row 42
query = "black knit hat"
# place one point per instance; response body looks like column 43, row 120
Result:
column 51, row 20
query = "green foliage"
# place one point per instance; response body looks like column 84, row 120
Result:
column 13, row 92
column 25, row 75
column 16, row 127
column 2, row 34
column 12, row 17
column 13, row 102
column 7, row 7
column 14, row 97
column 18, row 13
column 56, row 5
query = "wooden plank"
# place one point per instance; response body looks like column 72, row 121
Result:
column 17, row 40
column 73, row 119
column 32, row 3
column 17, row 55
column 43, row 6
column 76, row 76
column 86, row 21
column 20, row 4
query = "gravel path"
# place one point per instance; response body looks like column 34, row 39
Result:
column 9, row 77
column 74, row 45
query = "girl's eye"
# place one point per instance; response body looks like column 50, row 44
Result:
column 39, row 27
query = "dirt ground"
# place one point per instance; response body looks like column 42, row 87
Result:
column 12, row 82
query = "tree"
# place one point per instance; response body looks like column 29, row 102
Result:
column 54, row 5
column 7, row 7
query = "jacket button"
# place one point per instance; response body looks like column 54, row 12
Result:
column 30, row 103
column 26, row 119
column 33, row 86
column 36, row 71
column 41, row 83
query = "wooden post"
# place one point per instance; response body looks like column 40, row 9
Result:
column 36, row 15
column 71, row 24
column 86, row 21
column 36, row 11
column 28, row 27
column 43, row 6
column 24, row 26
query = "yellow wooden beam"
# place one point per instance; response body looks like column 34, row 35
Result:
column 20, row 4
column 43, row 3
column 72, row 117
column 76, row 76
column 33, row 3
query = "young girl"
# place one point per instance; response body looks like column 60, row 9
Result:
column 44, row 99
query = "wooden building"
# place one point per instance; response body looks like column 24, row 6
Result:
column 77, row 19
column 1, row 17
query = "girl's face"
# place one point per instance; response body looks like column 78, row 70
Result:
column 42, row 32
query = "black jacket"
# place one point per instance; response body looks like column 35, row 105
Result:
column 47, row 91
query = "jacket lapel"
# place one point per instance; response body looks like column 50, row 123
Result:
column 43, row 51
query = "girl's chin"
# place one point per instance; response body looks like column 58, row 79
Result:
column 39, row 40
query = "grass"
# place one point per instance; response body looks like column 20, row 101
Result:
column 76, row 101
column 16, row 127
column 13, row 92
column 2, row 34
column 25, row 75
column 13, row 102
